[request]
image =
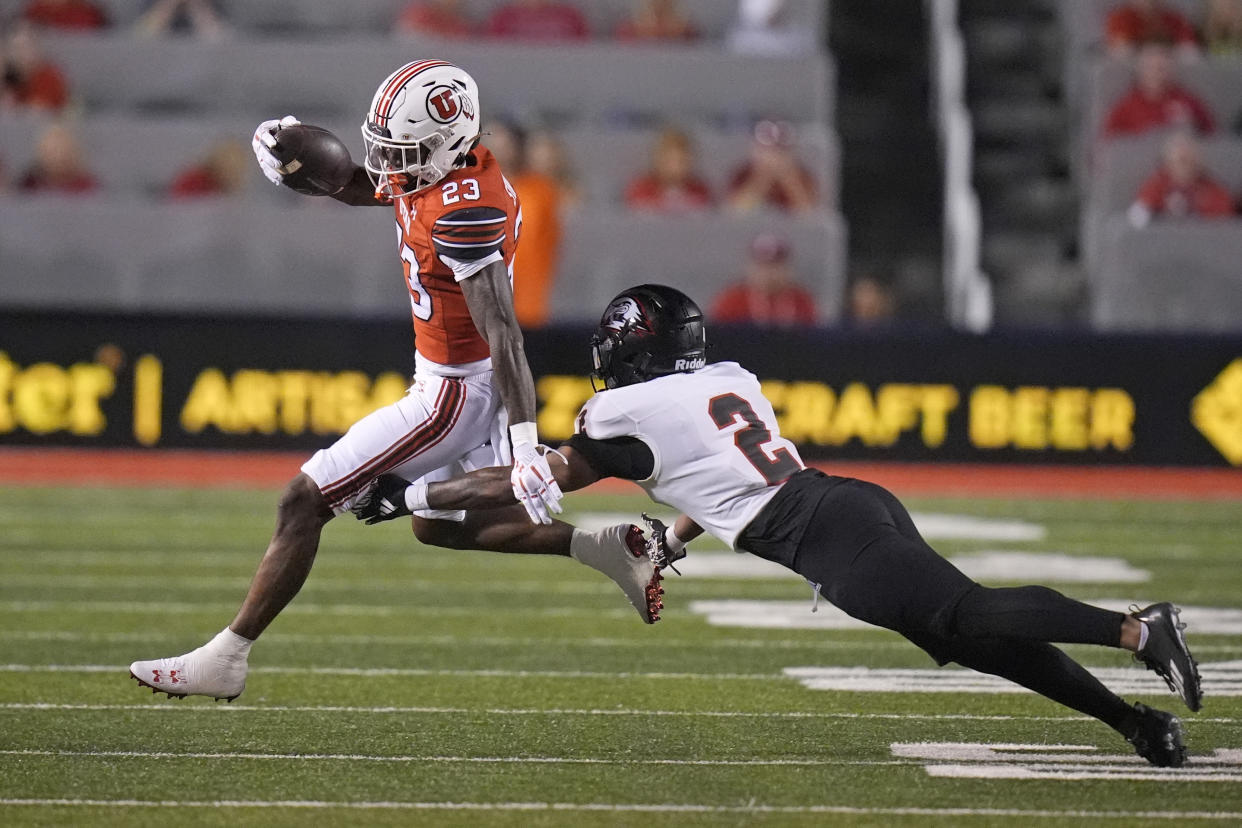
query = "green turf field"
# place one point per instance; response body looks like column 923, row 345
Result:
column 412, row 686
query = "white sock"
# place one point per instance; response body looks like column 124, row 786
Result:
column 230, row 643
column 416, row 497
column 580, row 542
column 1142, row 636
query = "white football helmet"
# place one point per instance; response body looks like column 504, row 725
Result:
column 423, row 121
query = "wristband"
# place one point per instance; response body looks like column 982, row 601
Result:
column 416, row 497
column 524, row 433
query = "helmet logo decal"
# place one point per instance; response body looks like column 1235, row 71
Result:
column 624, row 314
column 444, row 104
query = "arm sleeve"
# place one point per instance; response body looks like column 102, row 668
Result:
column 625, row 457
column 470, row 234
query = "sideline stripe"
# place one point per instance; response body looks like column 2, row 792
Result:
column 379, row 610
column 518, row 711
column 822, row 642
column 223, row 469
column 630, row 807
column 481, row 760
column 402, row 671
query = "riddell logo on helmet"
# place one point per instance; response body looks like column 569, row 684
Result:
column 689, row 364
column 445, row 103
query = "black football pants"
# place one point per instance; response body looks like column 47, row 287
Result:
column 861, row 546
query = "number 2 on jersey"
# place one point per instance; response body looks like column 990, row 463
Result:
column 728, row 409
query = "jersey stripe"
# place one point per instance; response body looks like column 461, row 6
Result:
column 448, row 407
column 401, row 78
column 500, row 220
column 483, row 244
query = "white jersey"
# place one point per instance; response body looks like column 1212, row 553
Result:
column 718, row 455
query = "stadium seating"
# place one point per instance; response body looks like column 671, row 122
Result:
column 330, row 17
column 1169, row 276
column 150, row 107
column 337, row 78
column 142, row 155
column 318, row 257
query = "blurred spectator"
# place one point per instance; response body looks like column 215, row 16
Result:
column 82, row 15
column 1155, row 101
column 1222, row 30
column 30, row 80
column 58, row 166
column 670, row 184
column 538, row 20
column 1136, row 22
column 655, row 20
column 442, row 18
column 870, row 302
column 1181, row 187
column 198, row 17
column 768, row 295
column 222, row 172
column 765, row 27
column 773, row 176
column 546, row 156
column 534, row 268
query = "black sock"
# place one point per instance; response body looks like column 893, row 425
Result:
column 1034, row 613
column 1046, row 670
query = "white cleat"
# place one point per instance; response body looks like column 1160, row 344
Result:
column 620, row 552
column 203, row 672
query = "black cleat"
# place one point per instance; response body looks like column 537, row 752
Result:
column 382, row 499
column 1167, row 654
column 1157, row 737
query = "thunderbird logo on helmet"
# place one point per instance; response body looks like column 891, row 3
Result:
column 623, row 315
column 444, row 104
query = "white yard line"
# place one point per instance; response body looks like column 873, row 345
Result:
column 395, row 671
column 111, row 581
column 818, row 643
column 631, row 807
column 482, row 760
column 165, row 706
column 182, row 608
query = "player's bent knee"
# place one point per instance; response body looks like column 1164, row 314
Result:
column 302, row 502
column 446, row 534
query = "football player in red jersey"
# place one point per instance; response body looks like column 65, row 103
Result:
column 458, row 221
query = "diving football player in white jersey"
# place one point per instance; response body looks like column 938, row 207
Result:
column 703, row 439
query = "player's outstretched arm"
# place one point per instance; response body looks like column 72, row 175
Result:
column 360, row 192
column 312, row 161
column 489, row 297
column 490, row 488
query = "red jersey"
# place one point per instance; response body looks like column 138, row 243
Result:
column 1137, row 113
column 472, row 216
column 554, row 21
column 1204, row 197
column 1127, row 25
column 647, row 193
column 75, row 14
column 790, row 306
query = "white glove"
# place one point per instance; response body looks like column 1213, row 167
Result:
column 533, row 483
column 262, row 143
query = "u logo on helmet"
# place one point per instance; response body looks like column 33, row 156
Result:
column 444, row 104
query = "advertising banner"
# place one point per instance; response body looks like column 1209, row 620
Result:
column 237, row 383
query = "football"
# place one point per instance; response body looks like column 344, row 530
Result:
column 316, row 161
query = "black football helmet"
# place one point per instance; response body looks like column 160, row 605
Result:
column 646, row 332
